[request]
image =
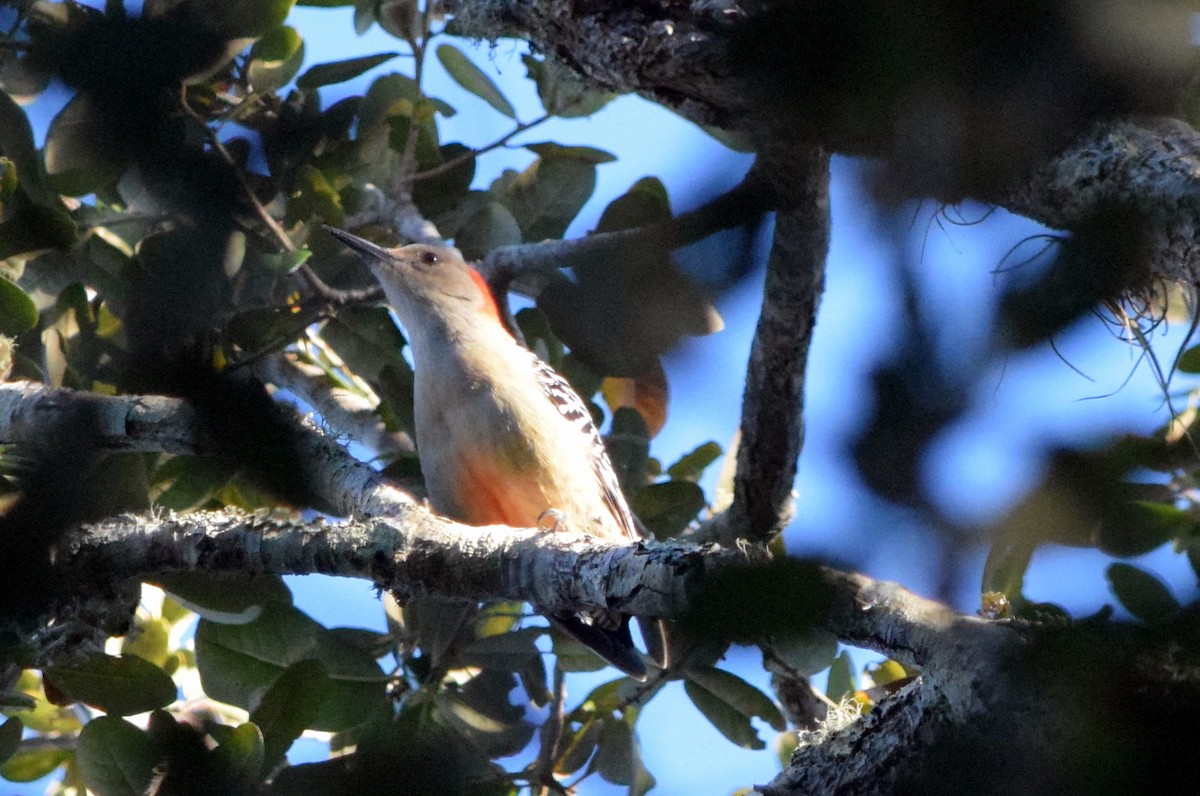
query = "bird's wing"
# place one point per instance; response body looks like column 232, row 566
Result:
column 574, row 410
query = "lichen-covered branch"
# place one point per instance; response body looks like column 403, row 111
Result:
column 158, row 424
column 418, row 553
column 1151, row 165
column 126, row 423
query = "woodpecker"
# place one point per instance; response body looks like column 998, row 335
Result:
column 502, row 438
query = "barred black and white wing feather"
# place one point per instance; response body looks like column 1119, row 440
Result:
column 574, row 410
column 608, row 632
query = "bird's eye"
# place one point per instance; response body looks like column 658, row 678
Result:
column 429, row 258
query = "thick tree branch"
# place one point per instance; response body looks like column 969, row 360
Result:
column 128, row 423
column 676, row 56
column 1152, row 165
column 419, row 553
column 155, row 423
column 772, row 426
column 676, row 59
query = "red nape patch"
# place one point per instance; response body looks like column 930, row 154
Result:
column 489, row 301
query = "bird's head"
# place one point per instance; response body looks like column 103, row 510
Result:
column 425, row 282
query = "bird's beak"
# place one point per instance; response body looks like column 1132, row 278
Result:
column 370, row 251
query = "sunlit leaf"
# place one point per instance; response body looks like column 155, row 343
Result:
column 148, row 640
column 842, row 682
column 27, row 766
column 275, row 59
column 17, row 311
column 691, row 465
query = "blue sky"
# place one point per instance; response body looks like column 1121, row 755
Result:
column 1030, row 402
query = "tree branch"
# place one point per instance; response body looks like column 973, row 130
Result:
column 1152, row 165
column 772, row 430
column 416, row 553
column 155, row 423
column 341, row 409
column 128, row 423
column 529, row 263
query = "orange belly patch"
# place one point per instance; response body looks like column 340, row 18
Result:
column 487, row 495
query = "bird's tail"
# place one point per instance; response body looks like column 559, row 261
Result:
column 615, row 645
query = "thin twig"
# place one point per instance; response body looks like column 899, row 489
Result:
column 466, row 157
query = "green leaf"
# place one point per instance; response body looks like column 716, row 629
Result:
column 549, row 149
column 668, row 508
column 16, row 142
column 237, row 19
column 34, row 764
column 577, row 747
column 288, row 708
column 739, row 694
column 841, row 678
column 10, row 737
column 490, row 228
column 242, row 750
column 17, row 311
column 547, row 196
column 79, row 155
column 115, row 757
column 1141, row 526
column 482, row 712
column 691, row 466
column 472, row 78
column 645, row 203
column 1007, row 561
column 445, row 192
column 341, row 71
column 628, row 446
column 729, row 703
column 367, row 340
column 149, row 640
column 509, row 652
column 1142, row 594
column 193, row 480
column 614, row 752
column 239, row 663
column 121, row 685
column 572, row 655
column 275, row 59
column 31, row 227
column 728, row 721
column 1189, row 361
column 562, row 92
column 259, row 328
column 225, row 598
column 807, row 653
